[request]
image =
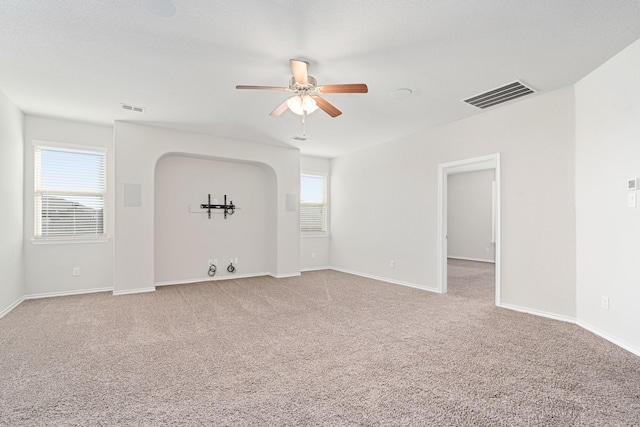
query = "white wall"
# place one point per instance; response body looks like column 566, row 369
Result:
column 138, row 149
column 314, row 249
column 49, row 267
column 11, row 208
column 469, row 216
column 185, row 241
column 385, row 202
column 608, row 232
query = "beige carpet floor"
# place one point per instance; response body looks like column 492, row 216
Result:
column 326, row 348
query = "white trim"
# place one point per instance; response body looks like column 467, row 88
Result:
column 284, row 276
column 210, row 279
column 11, row 307
column 607, row 337
column 67, row 293
column 134, row 291
column 69, row 146
column 387, row 280
column 490, row 261
column 491, row 161
column 66, row 241
column 314, row 233
column 302, row 270
column 538, row 313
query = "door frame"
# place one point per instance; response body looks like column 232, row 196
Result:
column 491, row 161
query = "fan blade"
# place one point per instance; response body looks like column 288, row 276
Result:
column 262, row 87
column 327, row 107
column 280, row 109
column 348, row 88
column 299, row 69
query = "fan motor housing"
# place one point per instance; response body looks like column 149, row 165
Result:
column 312, row 83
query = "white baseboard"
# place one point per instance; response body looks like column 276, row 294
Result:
column 134, row 291
column 67, row 293
column 386, row 279
column 607, row 337
column 210, row 279
column 538, row 313
column 11, row 307
column 490, row 261
column 302, row 270
column 284, row 276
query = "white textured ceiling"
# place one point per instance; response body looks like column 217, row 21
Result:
column 80, row 59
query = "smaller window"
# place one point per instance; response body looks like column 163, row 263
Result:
column 70, row 193
column 313, row 204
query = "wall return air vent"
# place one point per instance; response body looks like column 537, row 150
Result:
column 499, row 95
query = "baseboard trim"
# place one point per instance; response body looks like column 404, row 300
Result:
column 607, row 337
column 67, row 293
column 387, row 280
column 302, row 270
column 284, row 276
column 11, row 307
column 538, row 313
column 134, row 291
column 210, row 279
column 490, row 261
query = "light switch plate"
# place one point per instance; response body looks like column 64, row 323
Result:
column 631, row 200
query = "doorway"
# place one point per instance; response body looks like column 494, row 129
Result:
column 490, row 162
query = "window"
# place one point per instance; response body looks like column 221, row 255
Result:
column 70, row 192
column 313, row 206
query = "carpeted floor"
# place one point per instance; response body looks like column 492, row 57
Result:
column 326, row 348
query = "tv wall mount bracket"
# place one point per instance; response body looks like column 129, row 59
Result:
column 229, row 209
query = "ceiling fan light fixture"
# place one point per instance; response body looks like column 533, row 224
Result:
column 302, row 104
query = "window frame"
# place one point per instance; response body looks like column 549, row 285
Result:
column 325, row 204
column 38, row 238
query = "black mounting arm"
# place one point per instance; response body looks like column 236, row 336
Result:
column 228, row 208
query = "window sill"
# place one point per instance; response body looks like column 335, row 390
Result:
column 310, row 234
column 68, row 241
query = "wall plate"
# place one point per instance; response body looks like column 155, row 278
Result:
column 632, row 184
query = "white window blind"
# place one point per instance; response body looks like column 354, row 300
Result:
column 70, row 193
column 313, row 209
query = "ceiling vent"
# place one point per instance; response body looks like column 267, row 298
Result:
column 133, row 108
column 499, row 95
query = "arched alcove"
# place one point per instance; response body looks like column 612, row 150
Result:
column 186, row 239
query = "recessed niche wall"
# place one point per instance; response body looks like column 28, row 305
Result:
column 185, row 239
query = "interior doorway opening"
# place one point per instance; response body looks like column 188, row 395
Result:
column 490, row 162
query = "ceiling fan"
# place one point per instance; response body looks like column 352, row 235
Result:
column 307, row 97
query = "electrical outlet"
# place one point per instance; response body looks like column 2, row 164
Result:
column 214, row 202
column 392, row 264
column 235, row 260
column 313, row 255
column 76, row 271
column 605, row 303
column 210, row 262
column 215, row 261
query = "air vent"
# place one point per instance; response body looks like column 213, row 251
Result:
column 133, row 108
column 499, row 95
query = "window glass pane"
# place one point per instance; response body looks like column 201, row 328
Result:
column 312, row 203
column 69, row 193
column 70, row 170
column 311, row 189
